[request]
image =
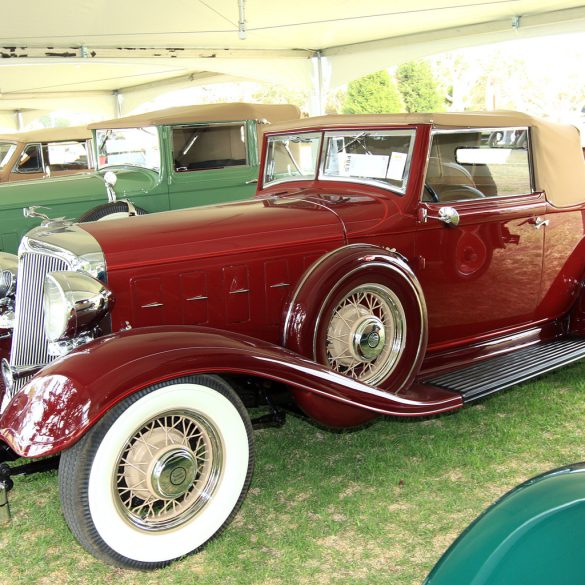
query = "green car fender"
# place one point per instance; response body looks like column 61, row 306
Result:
column 72, row 196
column 535, row 534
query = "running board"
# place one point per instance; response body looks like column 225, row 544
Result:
column 501, row 372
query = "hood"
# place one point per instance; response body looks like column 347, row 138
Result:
column 242, row 226
column 89, row 186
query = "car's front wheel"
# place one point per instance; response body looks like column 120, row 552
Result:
column 160, row 474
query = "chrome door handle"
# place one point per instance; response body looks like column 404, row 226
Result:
column 539, row 222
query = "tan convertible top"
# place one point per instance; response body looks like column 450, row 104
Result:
column 559, row 165
column 49, row 135
column 230, row 112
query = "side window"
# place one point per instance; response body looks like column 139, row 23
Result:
column 479, row 163
column 31, row 160
column 216, row 146
column 66, row 156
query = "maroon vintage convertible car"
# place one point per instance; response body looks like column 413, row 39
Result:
column 401, row 265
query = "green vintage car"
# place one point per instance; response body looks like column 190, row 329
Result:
column 170, row 159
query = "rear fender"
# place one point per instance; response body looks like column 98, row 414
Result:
column 67, row 397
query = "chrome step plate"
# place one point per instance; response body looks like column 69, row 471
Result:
column 501, row 372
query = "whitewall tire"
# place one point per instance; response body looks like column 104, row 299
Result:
column 161, row 474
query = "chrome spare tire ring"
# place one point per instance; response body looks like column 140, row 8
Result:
column 366, row 334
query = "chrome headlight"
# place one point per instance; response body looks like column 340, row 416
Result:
column 8, row 268
column 73, row 303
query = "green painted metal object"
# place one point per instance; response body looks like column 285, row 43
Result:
column 533, row 535
column 171, row 159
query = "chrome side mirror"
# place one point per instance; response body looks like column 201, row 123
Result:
column 449, row 215
column 110, row 180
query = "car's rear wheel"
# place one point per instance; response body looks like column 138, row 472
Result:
column 107, row 211
column 161, row 474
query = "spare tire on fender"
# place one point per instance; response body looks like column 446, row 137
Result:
column 112, row 210
column 360, row 310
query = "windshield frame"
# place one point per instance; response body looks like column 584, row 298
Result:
column 101, row 136
column 320, row 159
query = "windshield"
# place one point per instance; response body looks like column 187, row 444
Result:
column 378, row 157
column 292, row 157
column 138, row 147
column 6, row 151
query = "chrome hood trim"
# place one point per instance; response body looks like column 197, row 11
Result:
column 72, row 244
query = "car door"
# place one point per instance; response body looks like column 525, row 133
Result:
column 212, row 163
column 480, row 242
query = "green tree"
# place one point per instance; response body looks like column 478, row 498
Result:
column 373, row 94
column 418, row 88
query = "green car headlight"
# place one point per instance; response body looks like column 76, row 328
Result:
column 73, row 302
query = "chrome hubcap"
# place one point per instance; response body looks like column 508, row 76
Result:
column 366, row 334
column 369, row 339
column 173, row 473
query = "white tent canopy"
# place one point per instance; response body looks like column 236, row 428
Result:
column 87, row 53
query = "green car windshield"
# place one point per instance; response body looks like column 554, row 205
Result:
column 6, row 151
column 137, row 147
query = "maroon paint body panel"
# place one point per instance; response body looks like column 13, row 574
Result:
column 264, row 274
column 62, row 402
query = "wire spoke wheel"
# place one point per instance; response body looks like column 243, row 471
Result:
column 164, row 471
column 168, row 470
column 366, row 334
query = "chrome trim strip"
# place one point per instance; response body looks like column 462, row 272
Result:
column 280, row 285
column 197, row 298
column 152, row 305
column 239, row 291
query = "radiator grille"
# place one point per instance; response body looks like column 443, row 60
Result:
column 29, row 344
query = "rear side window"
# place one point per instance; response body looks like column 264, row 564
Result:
column 197, row 148
column 478, row 163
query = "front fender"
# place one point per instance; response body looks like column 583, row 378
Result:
column 67, row 397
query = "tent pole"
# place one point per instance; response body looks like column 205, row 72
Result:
column 118, row 102
column 317, row 83
column 19, row 122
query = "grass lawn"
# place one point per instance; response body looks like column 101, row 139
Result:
column 379, row 505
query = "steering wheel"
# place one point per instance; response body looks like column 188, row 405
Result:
column 461, row 192
column 432, row 193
